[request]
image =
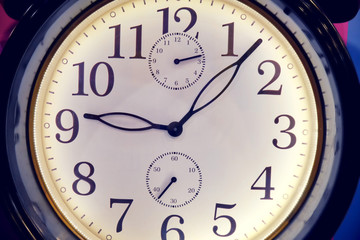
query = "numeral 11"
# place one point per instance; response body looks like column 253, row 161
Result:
column 117, row 42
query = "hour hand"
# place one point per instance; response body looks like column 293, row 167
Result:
column 125, row 121
column 177, row 60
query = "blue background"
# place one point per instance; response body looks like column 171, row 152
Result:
column 350, row 228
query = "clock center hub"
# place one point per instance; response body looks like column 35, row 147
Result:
column 175, row 129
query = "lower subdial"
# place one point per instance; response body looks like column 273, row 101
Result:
column 174, row 179
column 176, row 61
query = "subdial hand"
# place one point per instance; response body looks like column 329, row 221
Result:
column 173, row 180
column 177, row 61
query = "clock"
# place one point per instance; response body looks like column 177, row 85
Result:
column 173, row 120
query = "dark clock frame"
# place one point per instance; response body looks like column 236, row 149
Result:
column 345, row 179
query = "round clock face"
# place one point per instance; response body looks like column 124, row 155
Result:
column 121, row 155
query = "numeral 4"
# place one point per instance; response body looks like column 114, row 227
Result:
column 267, row 188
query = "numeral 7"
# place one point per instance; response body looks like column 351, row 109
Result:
column 121, row 201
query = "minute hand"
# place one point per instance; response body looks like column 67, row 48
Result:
column 236, row 64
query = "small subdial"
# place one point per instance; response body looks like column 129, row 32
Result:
column 176, row 61
column 174, row 179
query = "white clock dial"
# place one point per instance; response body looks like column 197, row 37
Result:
column 252, row 122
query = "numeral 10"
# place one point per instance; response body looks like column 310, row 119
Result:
column 92, row 80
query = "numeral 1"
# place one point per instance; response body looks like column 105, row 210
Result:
column 117, row 29
column 165, row 19
column 230, row 47
column 138, row 40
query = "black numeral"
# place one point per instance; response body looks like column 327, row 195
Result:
column 74, row 125
column 165, row 230
column 138, row 43
column 227, row 217
column 230, row 46
column 119, row 226
column 276, row 75
column 165, row 11
column 93, row 79
column 117, row 39
column 117, row 42
column 165, row 19
column 287, row 131
column 84, row 178
column 267, row 188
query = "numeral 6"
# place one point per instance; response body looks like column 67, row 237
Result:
column 164, row 229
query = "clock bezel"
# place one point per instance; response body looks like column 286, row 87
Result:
column 340, row 60
column 263, row 12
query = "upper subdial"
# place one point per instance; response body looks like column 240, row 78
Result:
column 177, row 61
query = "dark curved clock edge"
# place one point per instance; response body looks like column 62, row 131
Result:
column 351, row 90
column 339, row 11
column 14, row 220
column 347, row 82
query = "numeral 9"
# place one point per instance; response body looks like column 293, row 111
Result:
column 73, row 128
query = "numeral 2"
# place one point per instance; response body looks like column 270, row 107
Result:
column 277, row 72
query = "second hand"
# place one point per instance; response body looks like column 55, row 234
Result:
column 173, row 180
